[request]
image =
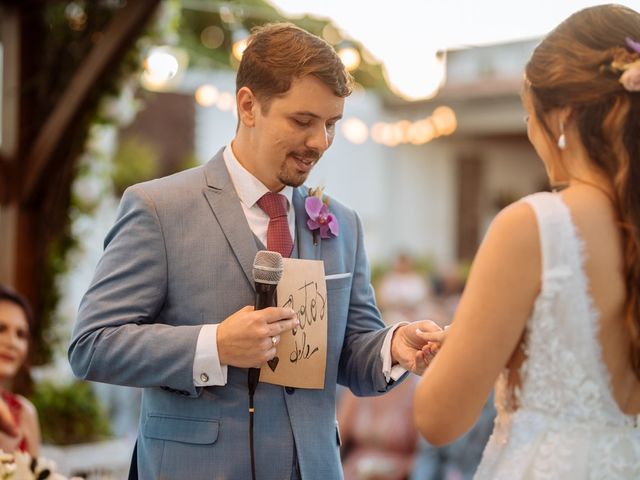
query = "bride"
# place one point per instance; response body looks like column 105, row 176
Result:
column 552, row 304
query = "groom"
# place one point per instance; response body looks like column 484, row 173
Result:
column 168, row 308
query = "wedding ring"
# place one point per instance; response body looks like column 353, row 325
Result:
column 274, row 340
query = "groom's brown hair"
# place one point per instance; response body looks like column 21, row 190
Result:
column 279, row 53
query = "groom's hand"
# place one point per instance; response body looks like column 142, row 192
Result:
column 408, row 346
column 248, row 338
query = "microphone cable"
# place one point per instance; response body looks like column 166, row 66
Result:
column 252, row 380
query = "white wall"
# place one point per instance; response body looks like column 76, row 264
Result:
column 422, row 201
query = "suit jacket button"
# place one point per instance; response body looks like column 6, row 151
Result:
column 204, row 378
column 289, row 390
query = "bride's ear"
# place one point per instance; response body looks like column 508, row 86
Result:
column 559, row 120
column 562, row 134
column 565, row 116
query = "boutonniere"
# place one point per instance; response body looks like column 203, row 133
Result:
column 321, row 220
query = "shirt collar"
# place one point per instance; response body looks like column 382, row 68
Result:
column 248, row 187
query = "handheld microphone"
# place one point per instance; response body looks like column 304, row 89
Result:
column 267, row 272
column 268, row 267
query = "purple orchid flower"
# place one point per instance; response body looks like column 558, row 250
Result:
column 320, row 218
column 635, row 46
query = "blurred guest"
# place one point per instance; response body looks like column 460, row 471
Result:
column 15, row 322
column 448, row 284
column 403, row 291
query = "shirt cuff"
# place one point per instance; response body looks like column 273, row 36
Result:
column 391, row 373
column 207, row 370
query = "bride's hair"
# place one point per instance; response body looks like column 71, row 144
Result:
column 578, row 66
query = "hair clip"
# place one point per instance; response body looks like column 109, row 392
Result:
column 635, row 46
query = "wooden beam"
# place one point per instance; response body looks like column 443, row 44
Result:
column 7, row 244
column 470, row 175
column 10, row 102
column 5, row 182
column 122, row 29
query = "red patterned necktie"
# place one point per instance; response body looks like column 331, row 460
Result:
column 278, row 234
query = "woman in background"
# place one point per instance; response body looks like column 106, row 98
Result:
column 15, row 321
column 552, row 304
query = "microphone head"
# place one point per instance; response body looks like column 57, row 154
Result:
column 268, row 267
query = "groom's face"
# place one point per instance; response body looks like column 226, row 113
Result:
column 291, row 132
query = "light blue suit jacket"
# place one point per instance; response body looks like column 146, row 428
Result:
column 180, row 255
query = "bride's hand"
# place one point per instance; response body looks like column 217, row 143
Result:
column 433, row 342
column 407, row 346
column 437, row 337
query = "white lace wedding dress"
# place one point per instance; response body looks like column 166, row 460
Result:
column 563, row 422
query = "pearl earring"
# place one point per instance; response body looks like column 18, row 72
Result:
column 562, row 140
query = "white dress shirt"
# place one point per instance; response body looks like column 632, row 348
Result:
column 207, row 370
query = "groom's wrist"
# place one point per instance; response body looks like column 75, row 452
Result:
column 394, row 346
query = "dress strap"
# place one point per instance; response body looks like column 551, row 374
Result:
column 557, row 237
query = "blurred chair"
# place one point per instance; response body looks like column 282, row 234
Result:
column 379, row 439
column 107, row 460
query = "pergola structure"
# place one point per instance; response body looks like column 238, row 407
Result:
column 43, row 129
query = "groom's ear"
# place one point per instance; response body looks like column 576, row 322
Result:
column 248, row 106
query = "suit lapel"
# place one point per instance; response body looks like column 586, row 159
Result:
column 304, row 236
column 226, row 207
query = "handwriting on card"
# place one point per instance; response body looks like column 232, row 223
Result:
column 301, row 354
column 313, row 309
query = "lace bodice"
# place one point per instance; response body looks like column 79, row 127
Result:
column 563, row 421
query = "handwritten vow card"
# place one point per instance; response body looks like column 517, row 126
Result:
column 301, row 355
